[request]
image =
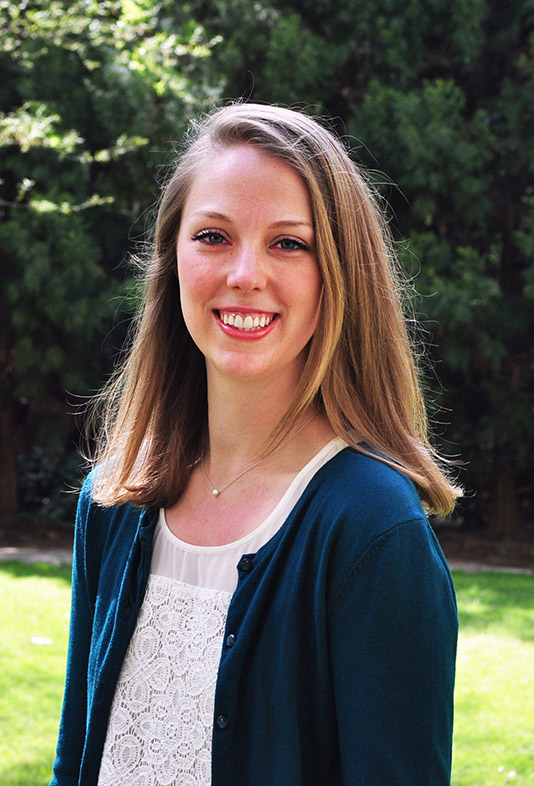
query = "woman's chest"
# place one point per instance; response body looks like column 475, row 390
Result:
column 203, row 519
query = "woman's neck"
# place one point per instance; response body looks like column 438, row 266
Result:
column 242, row 416
column 241, row 419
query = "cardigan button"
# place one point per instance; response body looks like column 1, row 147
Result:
column 222, row 722
column 245, row 564
column 230, row 640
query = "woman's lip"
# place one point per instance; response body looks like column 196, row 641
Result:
column 242, row 310
column 246, row 335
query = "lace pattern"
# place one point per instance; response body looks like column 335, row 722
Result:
column 160, row 726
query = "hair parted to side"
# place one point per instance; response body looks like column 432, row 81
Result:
column 360, row 368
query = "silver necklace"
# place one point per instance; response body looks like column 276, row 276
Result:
column 216, row 492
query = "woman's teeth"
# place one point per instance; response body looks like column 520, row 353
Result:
column 246, row 322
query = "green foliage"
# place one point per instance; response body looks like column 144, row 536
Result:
column 439, row 158
column 32, row 125
column 56, row 266
column 93, row 96
column 297, row 56
column 68, row 151
column 49, row 478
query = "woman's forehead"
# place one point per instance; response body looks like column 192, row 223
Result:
column 245, row 173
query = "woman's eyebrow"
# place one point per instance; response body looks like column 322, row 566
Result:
column 292, row 223
column 210, row 214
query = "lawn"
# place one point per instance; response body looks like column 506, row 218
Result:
column 494, row 732
column 34, row 611
column 494, row 726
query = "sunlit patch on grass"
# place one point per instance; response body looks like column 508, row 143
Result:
column 34, row 613
column 494, row 740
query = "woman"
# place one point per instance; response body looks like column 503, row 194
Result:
column 257, row 595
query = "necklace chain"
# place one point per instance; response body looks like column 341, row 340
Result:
column 216, row 492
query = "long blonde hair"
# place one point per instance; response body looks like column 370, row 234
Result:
column 360, row 368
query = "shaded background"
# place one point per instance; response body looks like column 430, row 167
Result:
column 436, row 99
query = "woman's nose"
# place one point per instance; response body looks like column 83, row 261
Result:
column 247, row 270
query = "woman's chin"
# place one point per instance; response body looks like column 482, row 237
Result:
column 253, row 369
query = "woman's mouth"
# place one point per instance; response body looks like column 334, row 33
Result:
column 248, row 322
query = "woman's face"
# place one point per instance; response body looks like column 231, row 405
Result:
column 247, row 268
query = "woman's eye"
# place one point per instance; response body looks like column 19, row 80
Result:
column 290, row 244
column 211, row 237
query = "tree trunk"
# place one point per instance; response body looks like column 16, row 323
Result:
column 8, row 469
column 505, row 512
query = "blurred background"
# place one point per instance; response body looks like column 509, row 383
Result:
column 436, row 100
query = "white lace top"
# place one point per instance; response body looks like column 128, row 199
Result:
column 160, row 725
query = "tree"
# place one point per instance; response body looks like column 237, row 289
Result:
column 457, row 143
column 92, row 95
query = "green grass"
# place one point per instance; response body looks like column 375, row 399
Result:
column 34, row 603
column 494, row 731
column 494, row 720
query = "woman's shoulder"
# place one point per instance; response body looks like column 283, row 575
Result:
column 353, row 482
column 364, row 512
column 357, row 501
column 96, row 520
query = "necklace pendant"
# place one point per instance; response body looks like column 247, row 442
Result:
column 215, row 492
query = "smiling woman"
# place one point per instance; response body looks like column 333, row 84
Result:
column 258, row 597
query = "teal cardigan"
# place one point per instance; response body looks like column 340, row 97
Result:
column 337, row 665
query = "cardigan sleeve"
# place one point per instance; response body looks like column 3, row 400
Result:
column 72, row 727
column 393, row 631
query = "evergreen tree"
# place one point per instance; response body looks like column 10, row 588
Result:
column 92, row 95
